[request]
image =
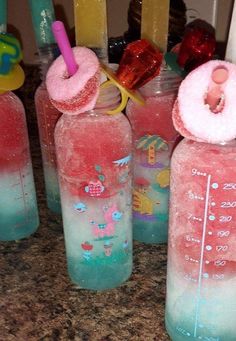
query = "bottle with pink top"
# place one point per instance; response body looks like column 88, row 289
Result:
column 93, row 151
column 42, row 13
column 18, row 206
column 201, row 276
column 94, row 156
column 154, row 138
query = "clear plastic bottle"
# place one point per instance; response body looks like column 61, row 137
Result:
column 93, row 154
column 47, row 117
column 42, row 13
column 201, row 278
column 154, row 138
column 18, row 206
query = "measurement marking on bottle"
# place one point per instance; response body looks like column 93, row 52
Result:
column 190, row 216
column 223, row 233
column 208, row 247
column 205, row 275
column 194, row 196
column 203, row 338
column 228, row 204
column 22, row 176
column 222, row 248
column 215, row 185
column 192, row 239
column 220, row 262
column 202, row 256
column 195, row 171
column 190, row 259
column 183, row 331
column 18, row 198
column 208, row 338
column 196, row 218
column 229, row 186
column 15, row 185
column 188, row 277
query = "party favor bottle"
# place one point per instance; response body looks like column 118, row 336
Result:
column 93, row 151
column 94, row 154
column 47, row 115
column 201, row 279
column 18, row 207
column 154, row 138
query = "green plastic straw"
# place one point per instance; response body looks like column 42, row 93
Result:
column 3, row 16
column 42, row 12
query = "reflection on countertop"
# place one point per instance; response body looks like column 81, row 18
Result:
column 37, row 300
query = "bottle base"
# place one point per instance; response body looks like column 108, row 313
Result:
column 16, row 233
column 179, row 333
column 101, row 277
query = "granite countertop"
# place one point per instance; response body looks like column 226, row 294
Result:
column 37, row 299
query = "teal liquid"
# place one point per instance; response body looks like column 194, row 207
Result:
column 53, row 204
column 14, row 227
column 18, row 205
column 150, row 232
column 3, row 16
column 100, row 273
column 42, row 13
column 185, row 331
column 153, row 228
column 52, row 190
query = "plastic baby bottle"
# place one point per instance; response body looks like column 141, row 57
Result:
column 47, row 115
column 94, row 156
column 93, row 149
column 154, row 138
column 201, row 276
column 18, row 207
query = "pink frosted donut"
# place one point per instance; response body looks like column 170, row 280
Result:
column 193, row 116
column 78, row 93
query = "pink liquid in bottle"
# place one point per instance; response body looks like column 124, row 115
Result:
column 154, row 138
column 42, row 14
column 201, row 274
column 18, row 206
column 47, row 116
column 201, row 280
column 94, row 154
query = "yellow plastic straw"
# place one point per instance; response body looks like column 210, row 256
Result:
column 155, row 22
column 91, row 26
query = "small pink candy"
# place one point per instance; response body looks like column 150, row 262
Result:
column 205, row 106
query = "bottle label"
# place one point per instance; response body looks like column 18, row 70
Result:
column 151, row 179
column 102, row 209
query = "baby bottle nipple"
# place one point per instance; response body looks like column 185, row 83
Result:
column 215, row 95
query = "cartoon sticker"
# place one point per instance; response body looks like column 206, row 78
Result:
column 87, row 247
column 108, row 248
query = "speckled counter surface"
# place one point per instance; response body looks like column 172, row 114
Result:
column 37, row 300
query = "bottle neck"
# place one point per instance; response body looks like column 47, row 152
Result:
column 109, row 99
column 166, row 82
column 46, row 55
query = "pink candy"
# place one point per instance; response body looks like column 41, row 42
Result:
column 77, row 93
column 206, row 103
